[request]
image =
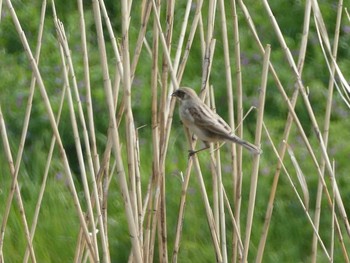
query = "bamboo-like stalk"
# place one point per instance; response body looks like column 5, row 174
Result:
column 255, row 168
column 287, row 101
column 119, row 63
column 209, row 212
column 207, row 46
column 155, row 141
column 184, row 25
column 27, row 117
column 322, row 33
column 335, row 188
column 163, row 236
column 138, row 183
column 53, row 123
column 0, row 9
column 146, row 213
column 181, row 211
column 65, row 54
column 141, row 37
column 296, row 193
column 46, row 173
column 282, row 149
column 121, row 176
column 310, row 112
column 14, row 189
column 234, row 222
column 130, row 128
column 139, row 43
column 89, row 106
column 174, row 81
column 236, row 151
column 220, row 192
column 190, row 40
column 333, row 221
column 65, row 50
column 326, row 129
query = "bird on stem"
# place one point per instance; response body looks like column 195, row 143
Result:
column 205, row 123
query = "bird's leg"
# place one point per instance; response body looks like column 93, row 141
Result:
column 193, row 152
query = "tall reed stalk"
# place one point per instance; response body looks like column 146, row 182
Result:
column 122, row 153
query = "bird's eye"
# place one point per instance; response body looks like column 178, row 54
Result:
column 180, row 94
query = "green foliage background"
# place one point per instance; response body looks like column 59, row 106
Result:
column 290, row 234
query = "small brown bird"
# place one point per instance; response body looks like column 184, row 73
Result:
column 205, row 123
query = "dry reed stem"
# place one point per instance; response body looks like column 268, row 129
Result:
column 140, row 40
column 218, row 199
column 282, row 149
column 236, row 151
column 296, row 192
column 182, row 205
column 89, row 107
column 29, row 249
column 121, row 176
column 25, row 129
column 177, row 66
column 209, row 212
column 46, row 173
column 335, row 188
column 119, row 62
column 288, row 102
column 255, row 168
column 94, row 163
column 174, row 80
column 141, row 37
column 326, row 129
column 321, row 28
column 333, row 220
column 175, row 84
column 143, row 238
column 47, row 104
column 138, row 184
column 191, row 34
column 148, row 245
column 129, row 120
column 208, row 45
column 0, row 9
column 163, row 240
column 14, row 189
column 300, row 176
column 65, row 54
column 234, row 222
column 309, row 110
column 333, row 65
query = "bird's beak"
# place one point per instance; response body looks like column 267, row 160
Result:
column 173, row 94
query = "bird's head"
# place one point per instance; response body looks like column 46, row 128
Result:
column 185, row 93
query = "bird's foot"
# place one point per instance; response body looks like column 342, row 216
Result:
column 191, row 153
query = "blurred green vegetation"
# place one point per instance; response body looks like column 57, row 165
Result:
column 290, row 233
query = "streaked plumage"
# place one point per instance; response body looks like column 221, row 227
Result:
column 205, row 123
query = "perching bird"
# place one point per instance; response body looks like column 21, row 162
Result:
column 205, row 123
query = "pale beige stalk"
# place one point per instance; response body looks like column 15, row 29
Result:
column 296, row 193
column 53, row 123
column 325, row 137
column 14, row 189
column 255, row 168
column 289, row 122
column 121, row 176
column 236, row 152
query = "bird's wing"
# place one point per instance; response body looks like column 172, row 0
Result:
column 207, row 119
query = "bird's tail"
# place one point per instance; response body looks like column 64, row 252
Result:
column 251, row 147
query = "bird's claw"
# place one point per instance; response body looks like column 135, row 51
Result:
column 191, row 153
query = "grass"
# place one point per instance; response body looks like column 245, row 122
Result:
column 119, row 185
